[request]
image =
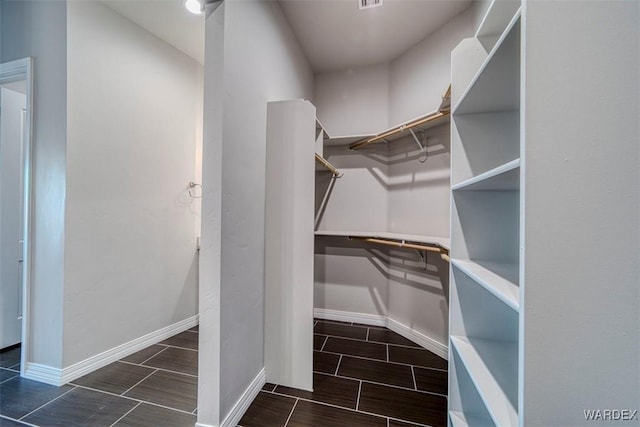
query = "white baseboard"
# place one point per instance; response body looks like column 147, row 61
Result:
column 419, row 338
column 378, row 320
column 348, row 316
column 245, row 400
column 58, row 377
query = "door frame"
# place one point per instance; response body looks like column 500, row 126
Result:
column 22, row 69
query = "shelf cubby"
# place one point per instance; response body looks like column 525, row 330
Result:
column 466, row 405
column 498, row 16
column 505, row 177
column 500, row 279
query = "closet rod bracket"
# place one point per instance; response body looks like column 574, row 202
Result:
column 423, row 148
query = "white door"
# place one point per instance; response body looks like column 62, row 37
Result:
column 12, row 121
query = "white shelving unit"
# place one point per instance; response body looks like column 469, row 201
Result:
column 485, row 224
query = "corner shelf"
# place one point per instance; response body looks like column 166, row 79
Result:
column 502, row 178
column 489, row 364
column 497, row 278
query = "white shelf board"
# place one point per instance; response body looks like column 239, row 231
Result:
column 320, row 127
column 496, row 19
column 496, row 85
column 443, row 242
column 460, row 419
column 498, row 278
column 489, row 364
column 502, row 178
column 345, row 139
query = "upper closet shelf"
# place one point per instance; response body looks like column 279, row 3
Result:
column 324, row 165
column 433, row 119
column 494, row 22
column 503, row 178
column 496, row 85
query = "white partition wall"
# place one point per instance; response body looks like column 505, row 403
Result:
column 289, row 239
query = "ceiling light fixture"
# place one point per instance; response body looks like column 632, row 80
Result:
column 194, row 6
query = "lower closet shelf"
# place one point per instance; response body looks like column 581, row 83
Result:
column 498, row 278
column 490, row 364
column 460, row 419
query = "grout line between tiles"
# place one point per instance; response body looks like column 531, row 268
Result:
column 181, row 348
column 45, row 404
column 194, row 411
column 325, row 342
column 367, row 339
column 6, row 417
column 193, row 332
column 291, row 413
column 129, row 389
column 413, row 375
column 382, row 384
column 328, row 404
column 160, row 369
column 135, row 400
column 128, row 412
column 338, row 366
column 146, row 360
column 382, row 361
column 387, row 352
column 359, row 391
column 415, row 347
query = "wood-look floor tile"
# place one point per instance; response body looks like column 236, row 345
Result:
column 115, row 378
column 325, row 362
column 309, row 414
column 395, row 423
column 168, row 389
column 362, row 325
column 81, row 407
column 195, row 328
column 149, row 415
column 403, row 404
column 416, row 356
column 380, row 372
column 318, row 340
column 21, row 396
column 268, row 410
column 175, row 359
column 9, row 358
column 6, row 374
column 5, row 422
column 268, row 387
column 356, row 348
column 431, row 380
column 327, row 389
column 339, row 330
column 184, row 339
column 389, row 337
column 144, row 354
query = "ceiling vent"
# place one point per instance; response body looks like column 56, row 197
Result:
column 368, row 4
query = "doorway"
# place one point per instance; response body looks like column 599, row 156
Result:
column 15, row 210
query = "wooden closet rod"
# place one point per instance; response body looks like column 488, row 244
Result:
column 401, row 244
column 328, row 165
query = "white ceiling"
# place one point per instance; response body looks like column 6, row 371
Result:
column 336, row 35
column 167, row 19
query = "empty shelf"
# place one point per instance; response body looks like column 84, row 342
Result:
column 498, row 16
column 492, row 365
column 497, row 278
column 503, row 178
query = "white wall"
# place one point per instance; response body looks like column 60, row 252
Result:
column 38, row 29
column 419, row 77
column 130, row 256
column 353, row 101
column 12, row 104
column 262, row 62
column 581, row 160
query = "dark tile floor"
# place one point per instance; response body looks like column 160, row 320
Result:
column 156, row 386
column 364, row 376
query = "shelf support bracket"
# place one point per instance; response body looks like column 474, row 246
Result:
column 423, row 257
column 423, row 148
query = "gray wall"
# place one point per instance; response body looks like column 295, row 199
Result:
column 130, row 242
column 38, row 29
column 262, row 62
